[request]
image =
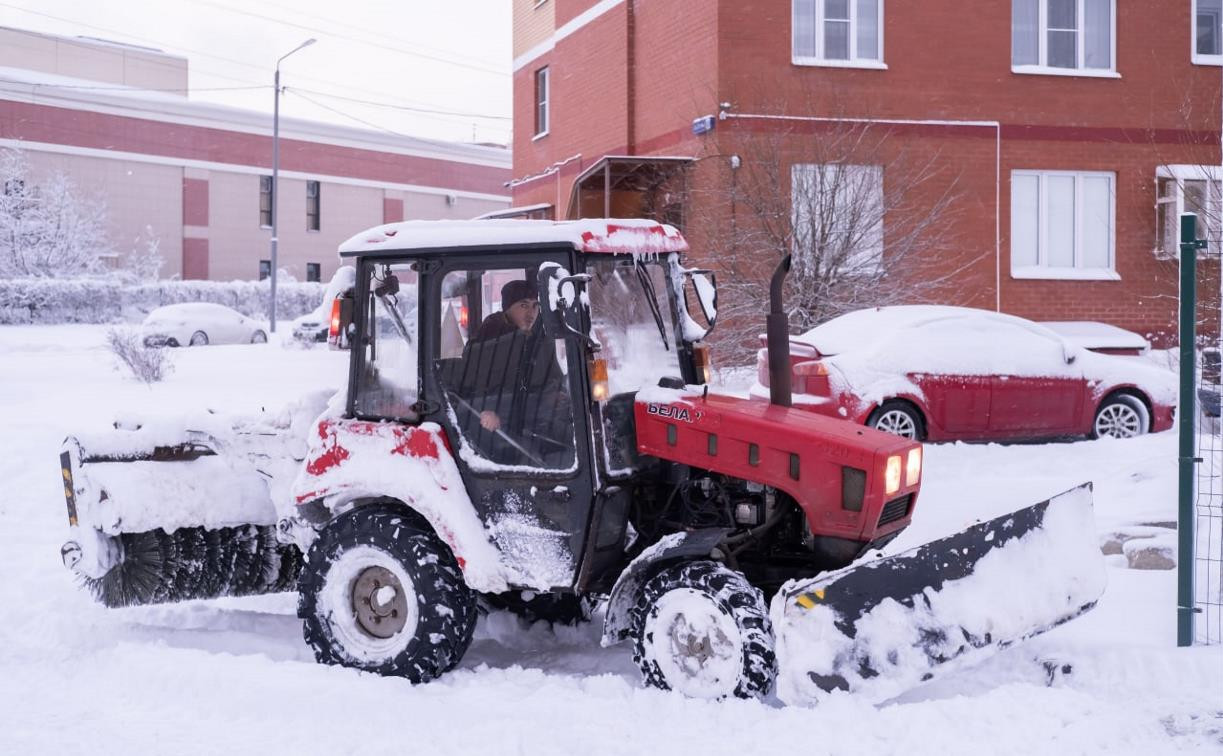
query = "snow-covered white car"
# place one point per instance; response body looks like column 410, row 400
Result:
column 940, row 373
column 313, row 326
column 200, row 324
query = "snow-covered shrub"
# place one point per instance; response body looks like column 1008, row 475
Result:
column 112, row 300
column 48, row 228
column 148, row 364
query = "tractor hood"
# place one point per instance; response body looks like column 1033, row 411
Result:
column 810, row 457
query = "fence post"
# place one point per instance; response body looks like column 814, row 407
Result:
column 1188, row 414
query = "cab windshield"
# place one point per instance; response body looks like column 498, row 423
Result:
column 631, row 319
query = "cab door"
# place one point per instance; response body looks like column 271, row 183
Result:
column 508, row 396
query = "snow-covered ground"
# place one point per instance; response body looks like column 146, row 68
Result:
column 234, row 676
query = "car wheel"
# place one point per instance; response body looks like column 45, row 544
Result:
column 701, row 629
column 199, row 338
column 380, row 592
column 172, row 342
column 1121, row 416
column 898, row 419
column 259, row 337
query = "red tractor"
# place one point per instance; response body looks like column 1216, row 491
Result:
column 527, row 418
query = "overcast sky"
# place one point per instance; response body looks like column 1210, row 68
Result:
column 396, row 54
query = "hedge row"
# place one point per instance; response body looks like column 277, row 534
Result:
column 47, row 301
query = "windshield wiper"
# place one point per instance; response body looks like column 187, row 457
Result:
column 390, row 306
column 652, row 296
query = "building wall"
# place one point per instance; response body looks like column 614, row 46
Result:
column 943, row 64
column 534, row 22
column 139, row 197
column 94, row 60
column 192, row 172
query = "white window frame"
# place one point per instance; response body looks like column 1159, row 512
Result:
column 1042, row 43
column 1201, row 60
column 819, row 60
column 1078, row 272
column 1180, row 174
column 545, row 102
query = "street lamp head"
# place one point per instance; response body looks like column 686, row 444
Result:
column 307, row 43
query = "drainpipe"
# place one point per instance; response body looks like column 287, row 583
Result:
column 995, row 125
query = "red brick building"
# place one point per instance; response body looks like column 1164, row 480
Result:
column 1072, row 131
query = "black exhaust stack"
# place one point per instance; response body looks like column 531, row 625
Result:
column 777, row 331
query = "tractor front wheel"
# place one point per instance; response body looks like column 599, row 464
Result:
column 380, row 592
column 701, row 629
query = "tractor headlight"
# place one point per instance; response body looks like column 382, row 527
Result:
column 704, row 362
column 913, row 467
column 891, row 475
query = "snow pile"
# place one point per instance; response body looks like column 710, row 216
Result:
column 1023, row 587
column 109, row 300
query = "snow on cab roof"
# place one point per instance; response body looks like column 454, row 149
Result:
column 611, row 235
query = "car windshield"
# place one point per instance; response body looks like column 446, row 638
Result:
column 631, row 319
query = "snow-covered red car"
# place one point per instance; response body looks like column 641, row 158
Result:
column 952, row 373
column 200, row 324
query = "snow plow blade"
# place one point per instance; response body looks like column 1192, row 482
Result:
column 878, row 629
column 161, row 512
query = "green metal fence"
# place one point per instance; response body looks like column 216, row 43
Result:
column 1200, row 512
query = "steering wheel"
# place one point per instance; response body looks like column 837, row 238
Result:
column 460, row 401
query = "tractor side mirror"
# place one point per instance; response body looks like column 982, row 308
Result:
column 339, row 331
column 701, row 289
column 561, row 295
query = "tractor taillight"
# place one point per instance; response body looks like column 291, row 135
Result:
column 333, row 332
column 598, row 380
column 463, row 316
column 703, row 359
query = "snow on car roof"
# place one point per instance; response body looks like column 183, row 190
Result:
column 190, row 308
column 1092, row 335
column 870, row 326
column 611, row 235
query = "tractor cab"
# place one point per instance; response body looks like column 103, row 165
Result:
column 528, row 352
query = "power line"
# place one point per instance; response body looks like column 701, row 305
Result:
column 373, row 32
column 350, row 116
column 233, row 61
column 404, row 107
column 332, row 33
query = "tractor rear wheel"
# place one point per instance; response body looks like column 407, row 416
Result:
column 701, row 629
column 380, row 592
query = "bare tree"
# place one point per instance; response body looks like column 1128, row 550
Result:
column 869, row 218
column 47, row 229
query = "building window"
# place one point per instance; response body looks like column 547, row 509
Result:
column 1063, row 36
column 312, row 205
column 265, row 269
column 1062, row 225
column 1187, row 189
column 1207, row 41
column 541, row 102
column 314, row 272
column 265, row 201
column 837, row 211
column 837, row 33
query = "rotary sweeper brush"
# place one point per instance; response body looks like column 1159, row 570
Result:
column 527, row 417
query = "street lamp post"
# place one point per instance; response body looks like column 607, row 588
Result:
column 276, row 174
